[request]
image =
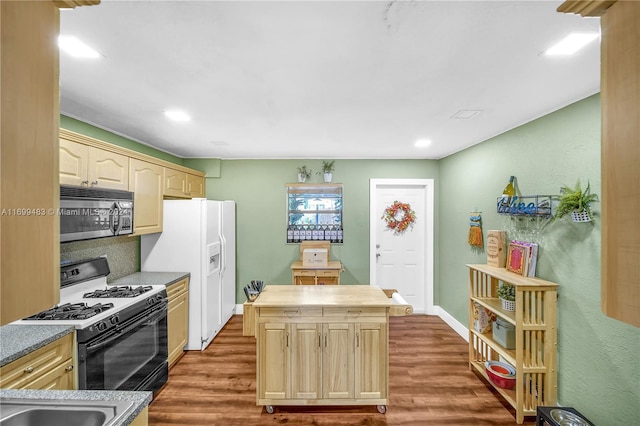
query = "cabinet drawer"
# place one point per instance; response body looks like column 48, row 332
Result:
column 305, row 273
column 177, row 288
column 30, row 367
column 290, row 312
column 354, row 312
column 325, row 273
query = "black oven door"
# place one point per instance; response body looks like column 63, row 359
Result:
column 133, row 357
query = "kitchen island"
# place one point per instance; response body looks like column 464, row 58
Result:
column 323, row 345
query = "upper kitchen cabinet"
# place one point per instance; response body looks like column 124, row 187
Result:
column 95, row 163
column 620, row 99
column 145, row 181
column 94, row 167
column 195, row 186
column 180, row 184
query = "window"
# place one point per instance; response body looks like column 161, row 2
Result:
column 314, row 212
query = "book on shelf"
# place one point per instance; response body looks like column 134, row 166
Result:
column 496, row 248
column 522, row 258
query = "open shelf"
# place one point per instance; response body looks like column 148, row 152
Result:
column 534, row 355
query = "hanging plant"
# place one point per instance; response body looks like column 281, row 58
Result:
column 399, row 217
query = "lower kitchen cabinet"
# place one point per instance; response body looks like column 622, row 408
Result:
column 331, row 362
column 50, row 368
column 141, row 419
column 316, row 275
column 177, row 319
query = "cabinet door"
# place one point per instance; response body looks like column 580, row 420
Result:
column 306, row 361
column 74, row 158
column 145, row 180
column 177, row 325
column 195, row 186
column 50, row 367
column 338, row 361
column 107, row 169
column 273, row 356
column 371, row 361
column 175, row 183
column 61, row 377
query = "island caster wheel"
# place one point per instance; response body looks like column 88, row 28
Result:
column 382, row 409
column 269, row 408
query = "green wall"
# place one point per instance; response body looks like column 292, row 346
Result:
column 77, row 126
column 598, row 362
column 258, row 187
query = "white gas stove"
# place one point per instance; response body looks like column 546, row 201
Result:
column 121, row 331
column 93, row 305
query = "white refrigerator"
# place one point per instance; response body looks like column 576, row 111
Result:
column 198, row 236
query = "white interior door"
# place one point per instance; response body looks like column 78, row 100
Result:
column 403, row 261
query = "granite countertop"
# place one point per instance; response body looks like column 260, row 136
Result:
column 140, row 399
column 151, row 278
column 19, row 340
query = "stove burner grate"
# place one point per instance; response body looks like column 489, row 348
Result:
column 118, row 292
column 71, row 311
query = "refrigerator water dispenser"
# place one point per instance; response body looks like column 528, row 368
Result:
column 213, row 254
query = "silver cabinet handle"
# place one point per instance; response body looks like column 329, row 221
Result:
column 94, row 183
column 69, row 368
column 28, row 370
column 84, row 182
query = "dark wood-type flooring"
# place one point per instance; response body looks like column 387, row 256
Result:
column 429, row 384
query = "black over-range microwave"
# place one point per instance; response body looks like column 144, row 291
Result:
column 87, row 213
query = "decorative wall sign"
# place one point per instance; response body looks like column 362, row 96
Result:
column 399, row 217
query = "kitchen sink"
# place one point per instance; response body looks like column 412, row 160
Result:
column 54, row 412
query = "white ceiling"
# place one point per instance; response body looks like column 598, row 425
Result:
column 321, row 79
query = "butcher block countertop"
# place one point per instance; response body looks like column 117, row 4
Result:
column 322, row 295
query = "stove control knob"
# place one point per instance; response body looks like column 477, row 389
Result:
column 101, row 326
column 114, row 320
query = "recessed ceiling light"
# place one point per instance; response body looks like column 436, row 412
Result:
column 422, row 143
column 465, row 114
column 571, row 43
column 76, row 48
column 177, row 115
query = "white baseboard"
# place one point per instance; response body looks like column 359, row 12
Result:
column 457, row 326
column 239, row 309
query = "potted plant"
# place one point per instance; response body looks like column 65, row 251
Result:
column 327, row 170
column 576, row 202
column 303, row 173
column 507, row 295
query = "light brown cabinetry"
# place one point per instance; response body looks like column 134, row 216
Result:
column 30, row 236
column 322, row 345
column 93, row 167
column 141, row 419
column 179, row 184
column 50, row 367
column 177, row 319
column 324, row 275
column 195, row 186
column 535, row 353
column 620, row 100
column 91, row 162
column 145, row 181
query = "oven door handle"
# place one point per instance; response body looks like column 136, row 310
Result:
column 118, row 333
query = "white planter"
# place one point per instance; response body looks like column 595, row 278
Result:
column 582, row 216
column 328, row 177
column 302, row 177
column 508, row 305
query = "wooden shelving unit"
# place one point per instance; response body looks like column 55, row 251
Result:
column 534, row 356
